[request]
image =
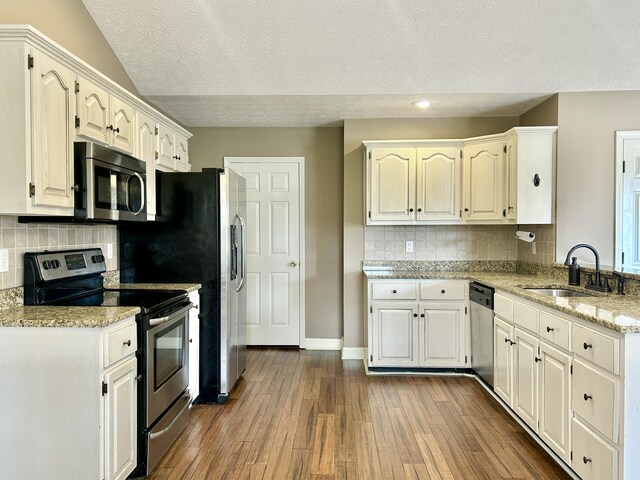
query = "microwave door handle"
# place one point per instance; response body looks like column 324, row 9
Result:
column 142, row 193
column 113, row 185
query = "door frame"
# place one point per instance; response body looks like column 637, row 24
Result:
column 229, row 162
column 621, row 136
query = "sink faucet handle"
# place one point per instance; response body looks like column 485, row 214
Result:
column 620, row 283
column 607, row 288
column 589, row 279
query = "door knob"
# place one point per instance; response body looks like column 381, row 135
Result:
column 293, row 263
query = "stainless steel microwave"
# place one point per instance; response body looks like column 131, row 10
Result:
column 110, row 186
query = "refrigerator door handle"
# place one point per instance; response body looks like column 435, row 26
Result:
column 243, row 255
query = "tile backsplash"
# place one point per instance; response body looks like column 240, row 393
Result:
column 441, row 242
column 19, row 238
column 545, row 245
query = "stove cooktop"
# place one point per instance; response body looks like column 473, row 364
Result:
column 147, row 300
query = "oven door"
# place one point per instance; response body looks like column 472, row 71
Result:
column 167, row 346
column 114, row 192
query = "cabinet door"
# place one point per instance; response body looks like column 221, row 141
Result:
column 511, row 179
column 194, row 346
column 123, row 131
column 146, row 148
column 93, row 112
column 395, row 335
column 554, row 400
column 442, row 336
column 483, row 182
column 503, row 359
column 392, row 184
column 182, row 153
column 120, row 421
column 52, row 112
column 438, row 180
column 525, row 378
column 166, row 148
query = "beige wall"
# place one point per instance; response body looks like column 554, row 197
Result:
column 355, row 131
column 68, row 23
column 541, row 115
column 587, row 123
column 322, row 152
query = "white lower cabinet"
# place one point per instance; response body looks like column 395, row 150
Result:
column 194, row 346
column 417, row 323
column 575, row 384
column 72, row 398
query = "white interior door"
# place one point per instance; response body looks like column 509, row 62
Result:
column 274, row 245
column 628, row 201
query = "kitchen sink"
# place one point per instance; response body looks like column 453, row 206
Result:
column 557, row 292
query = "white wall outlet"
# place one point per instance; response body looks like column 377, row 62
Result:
column 533, row 248
column 109, row 251
column 409, row 246
column 4, row 260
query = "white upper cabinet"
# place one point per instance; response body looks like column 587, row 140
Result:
column 36, row 132
column 392, row 174
column 438, row 178
column 483, row 182
column 412, row 182
column 104, row 118
column 50, row 98
column 147, row 151
column 494, row 179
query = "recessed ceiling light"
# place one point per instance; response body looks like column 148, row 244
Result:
column 422, row 103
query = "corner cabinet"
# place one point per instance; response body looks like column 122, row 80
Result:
column 417, row 323
column 51, row 99
column 82, row 393
column 494, row 179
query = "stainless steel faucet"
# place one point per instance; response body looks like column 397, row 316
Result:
column 595, row 284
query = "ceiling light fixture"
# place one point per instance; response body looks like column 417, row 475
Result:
column 422, row 103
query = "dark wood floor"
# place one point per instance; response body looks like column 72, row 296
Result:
column 299, row 414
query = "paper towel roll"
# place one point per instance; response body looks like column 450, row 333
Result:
column 525, row 236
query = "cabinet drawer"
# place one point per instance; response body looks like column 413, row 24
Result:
column 525, row 316
column 593, row 458
column 596, row 347
column 503, row 307
column 443, row 291
column 555, row 329
column 394, row 291
column 595, row 398
column 119, row 343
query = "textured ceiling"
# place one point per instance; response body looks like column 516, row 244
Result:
column 292, row 62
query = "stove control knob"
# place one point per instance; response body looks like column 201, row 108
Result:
column 55, row 264
column 46, row 264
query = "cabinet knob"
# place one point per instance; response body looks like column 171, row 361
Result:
column 511, row 342
column 586, row 460
column 127, row 343
column 537, row 359
column 536, row 180
column 394, row 291
column 442, row 291
column 466, row 209
column 117, row 130
column 587, row 397
column 109, row 127
column 587, row 345
column 419, row 209
column 549, row 329
column 139, row 378
column 415, row 315
column 411, row 209
column 191, row 340
column 422, row 315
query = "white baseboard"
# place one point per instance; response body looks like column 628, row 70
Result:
column 323, row 343
column 354, row 353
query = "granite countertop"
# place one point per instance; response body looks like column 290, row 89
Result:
column 189, row 287
column 616, row 312
column 58, row 316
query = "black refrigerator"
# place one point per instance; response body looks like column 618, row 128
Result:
column 199, row 236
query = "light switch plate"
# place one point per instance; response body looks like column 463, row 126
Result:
column 109, row 251
column 4, row 260
column 409, row 246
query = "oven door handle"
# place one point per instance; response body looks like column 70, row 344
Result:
column 168, row 427
column 160, row 320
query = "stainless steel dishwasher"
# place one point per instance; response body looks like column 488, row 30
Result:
column 481, row 302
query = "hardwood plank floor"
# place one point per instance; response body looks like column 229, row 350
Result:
column 310, row 415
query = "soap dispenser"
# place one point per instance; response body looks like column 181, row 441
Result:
column 574, row 272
